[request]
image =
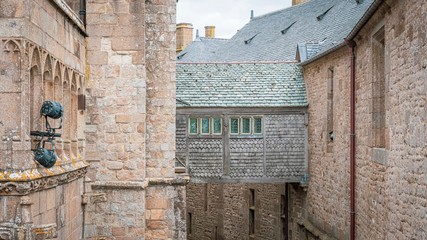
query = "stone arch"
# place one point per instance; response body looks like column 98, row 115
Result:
column 81, row 113
column 66, row 103
column 57, row 82
column 48, row 78
column 74, row 114
column 57, row 96
column 36, row 90
column 10, row 93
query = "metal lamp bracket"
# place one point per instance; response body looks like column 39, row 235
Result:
column 47, row 157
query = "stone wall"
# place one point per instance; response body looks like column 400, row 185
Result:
column 42, row 57
column 131, row 123
column 390, row 187
column 222, row 211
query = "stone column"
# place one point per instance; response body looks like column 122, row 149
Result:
column 115, row 131
column 165, row 194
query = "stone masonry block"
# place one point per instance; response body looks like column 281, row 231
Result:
column 157, row 203
column 118, row 231
column 131, row 118
column 97, row 58
column 156, row 214
column 128, row 43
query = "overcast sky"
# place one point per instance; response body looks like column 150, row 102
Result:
column 227, row 16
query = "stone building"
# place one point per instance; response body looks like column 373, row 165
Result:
column 227, row 197
column 382, row 92
column 238, row 125
column 114, row 75
column 383, row 196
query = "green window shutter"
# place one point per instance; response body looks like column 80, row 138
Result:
column 217, row 125
column 193, row 126
column 234, row 125
column 205, row 126
column 257, row 125
column 246, row 125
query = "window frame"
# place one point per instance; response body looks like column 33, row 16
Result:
column 189, row 126
column 253, row 125
column 242, row 125
column 201, row 125
column 238, row 126
column 213, row 126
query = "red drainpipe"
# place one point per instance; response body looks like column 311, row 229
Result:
column 352, row 44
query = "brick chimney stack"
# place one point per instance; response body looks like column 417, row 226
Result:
column 296, row 2
column 184, row 35
column 209, row 31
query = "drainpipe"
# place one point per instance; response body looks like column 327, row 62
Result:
column 352, row 44
column 82, row 11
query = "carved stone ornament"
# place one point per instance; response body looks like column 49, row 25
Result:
column 7, row 231
column 24, row 188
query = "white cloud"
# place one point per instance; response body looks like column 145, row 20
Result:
column 227, row 15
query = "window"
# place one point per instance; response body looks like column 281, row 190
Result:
column 330, row 105
column 216, row 125
column 193, row 126
column 251, row 211
column 205, row 125
column 378, row 89
column 245, row 125
column 189, row 223
column 234, row 125
column 257, row 125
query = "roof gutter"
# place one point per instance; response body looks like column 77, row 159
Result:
column 362, row 21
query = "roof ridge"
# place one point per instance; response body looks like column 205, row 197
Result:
column 249, row 62
column 281, row 10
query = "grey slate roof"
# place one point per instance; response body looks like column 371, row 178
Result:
column 275, row 36
column 240, row 85
column 201, row 50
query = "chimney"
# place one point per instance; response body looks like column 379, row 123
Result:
column 209, row 31
column 296, row 2
column 184, row 35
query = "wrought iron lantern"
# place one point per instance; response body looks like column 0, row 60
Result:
column 47, row 157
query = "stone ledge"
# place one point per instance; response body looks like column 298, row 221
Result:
column 380, row 156
column 148, row 182
column 309, row 226
column 71, row 15
column 177, row 181
column 26, row 183
column 119, row 185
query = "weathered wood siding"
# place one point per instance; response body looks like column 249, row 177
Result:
column 278, row 154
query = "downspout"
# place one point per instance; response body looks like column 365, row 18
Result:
column 352, row 45
column 82, row 11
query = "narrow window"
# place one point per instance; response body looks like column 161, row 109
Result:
column 251, row 197
column 189, row 223
column 234, row 125
column 246, row 125
column 378, row 90
column 251, row 211
column 257, row 125
column 216, row 125
column 205, row 126
column 283, row 213
column 330, row 107
column 206, row 197
column 193, row 126
column 251, row 221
